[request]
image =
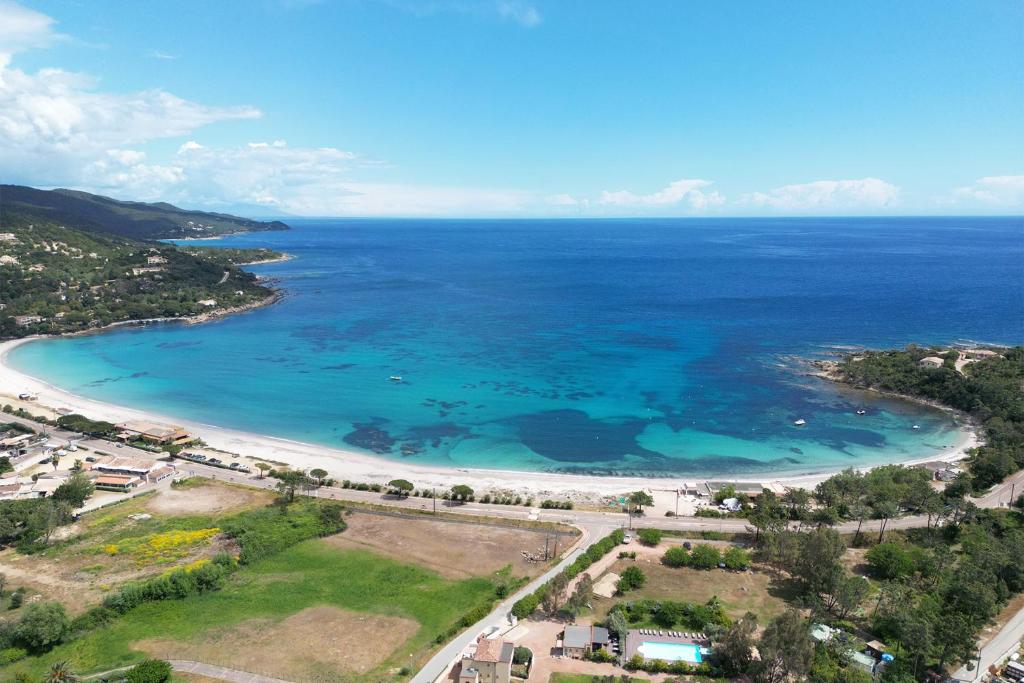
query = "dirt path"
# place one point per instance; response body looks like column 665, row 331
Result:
column 221, row 673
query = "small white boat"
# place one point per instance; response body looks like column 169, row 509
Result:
column 862, row 412
column 916, row 427
column 800, row 423
column 395, row 378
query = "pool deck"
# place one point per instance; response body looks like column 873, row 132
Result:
column 636, row 637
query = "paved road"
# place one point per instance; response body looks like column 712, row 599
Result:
column 220, row 673
column 1002, row 645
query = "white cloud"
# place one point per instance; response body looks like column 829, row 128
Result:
column 865, row 193
column 22, row 29
column 157, row 54
column 691, row 193
column 523, row 14
column 53, row 123
column 311, row 181
column 1002, row 190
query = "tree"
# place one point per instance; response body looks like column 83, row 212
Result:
column 60, row 672
column 638, row 499
column 630, row 579
column 289, row 481
column 787, row 649
column 734, row 648
column 798, row 501
column 462, row 492
column 670, row 614
column 5, row 464
column 319, row 475
column 617, row 623
column 705, row 556
column 581, row 596
column 43, row 625
column 649, row 537
column 848, row 594
column 884, row 510
column 521, row 655
column 890, row 560
column 403, row 486
column 74, row 491
column 768, row 515
column 555, row 592
column 676, row 556
column 263, row 467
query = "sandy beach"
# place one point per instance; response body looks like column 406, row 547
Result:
column 356, row 466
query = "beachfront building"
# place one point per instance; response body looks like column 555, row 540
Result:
column 13, row 487
column 117, row 482
column 152, row 432
column 489, row 662
column 932, row 362
column 150, row 471
column 579, row 641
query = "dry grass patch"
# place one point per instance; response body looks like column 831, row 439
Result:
column 205, row 498
column 740, row 592
column 318, row 643
column 453, row 550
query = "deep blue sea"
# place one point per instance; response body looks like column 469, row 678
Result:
column 611, row 346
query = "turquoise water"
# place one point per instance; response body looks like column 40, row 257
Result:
column 615, row 347
column 670, row 652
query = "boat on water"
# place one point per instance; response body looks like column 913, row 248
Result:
column 800, row 423
column 862, row 412
column 395, row 378
column 916, row 427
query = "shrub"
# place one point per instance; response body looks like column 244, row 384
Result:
column 650, row 537
column 676, row 556
column 43, row 625
column 630, row 579
column 10, row 655
column 268, row 531
column 149, row 671
column 705, row 557
column 736, row 558
column 521, row 655
column 708, row 512
column 890, row 560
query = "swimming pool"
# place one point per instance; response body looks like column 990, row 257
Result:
column 671, row 652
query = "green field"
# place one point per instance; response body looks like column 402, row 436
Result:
column 307, row 575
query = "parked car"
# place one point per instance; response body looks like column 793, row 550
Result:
column 214, row 461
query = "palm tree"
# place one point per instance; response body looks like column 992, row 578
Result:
column 60, row 672
column 263, row 467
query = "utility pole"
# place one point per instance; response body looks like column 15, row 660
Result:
column 433, row 497
column 1013, row 489
column 677, row 503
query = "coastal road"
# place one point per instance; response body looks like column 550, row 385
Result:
column 998, row 648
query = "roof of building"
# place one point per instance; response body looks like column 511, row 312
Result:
column 495, row 650
column 601, row 635
column 122, row 462
column 932, row 359
column 823, row 632
column 876, row 646
column 116, row 480
column 866, row 661
column 576, row 636
column 149, row 428
column 934, row 465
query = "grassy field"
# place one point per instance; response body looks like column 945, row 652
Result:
column 309, row 575
column 132, row 540
column 740, row 592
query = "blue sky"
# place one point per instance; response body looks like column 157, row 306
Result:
column 509, row 107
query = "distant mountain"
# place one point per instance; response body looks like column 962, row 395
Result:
column 138, row 220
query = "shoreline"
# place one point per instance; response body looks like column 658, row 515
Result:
column 363, row 467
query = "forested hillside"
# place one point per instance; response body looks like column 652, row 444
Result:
column 990, row 389
column 56, row 279
column 94, row 213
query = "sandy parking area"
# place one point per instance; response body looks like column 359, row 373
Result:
column 306, row 646
column 453, row 550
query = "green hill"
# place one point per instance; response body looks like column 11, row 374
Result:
column 58, row 279
column 94, row 213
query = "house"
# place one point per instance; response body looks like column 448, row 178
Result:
column 116, row 482
column 155, row 260
column 152, row 432
column 691, row 489
column 490, row 662
column 147, row 470
column 862, row 661
column 579, row 641
column 23, row 320
column 979, row 354
column 8, row 260
column 209, row 303
column 146, row 269
column 8, row 237
column 931, row 362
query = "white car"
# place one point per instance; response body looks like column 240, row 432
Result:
column 627, row 539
